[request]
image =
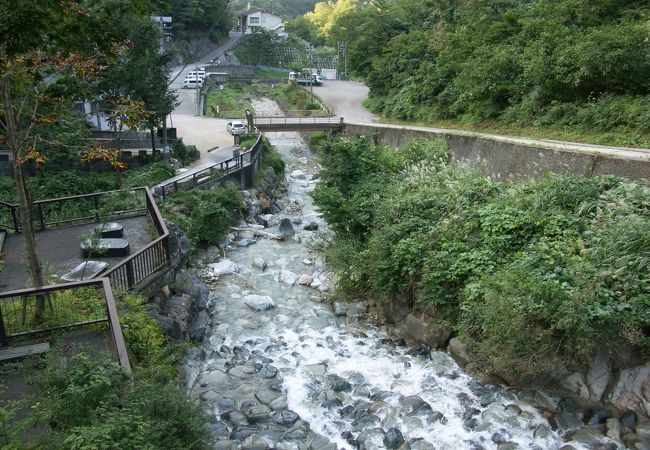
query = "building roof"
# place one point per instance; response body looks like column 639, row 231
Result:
column 247, row 12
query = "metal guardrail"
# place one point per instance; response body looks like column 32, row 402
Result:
column 284, row 120
column 67, row 306
column 213, row 172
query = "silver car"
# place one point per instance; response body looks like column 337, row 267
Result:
column 236, row 127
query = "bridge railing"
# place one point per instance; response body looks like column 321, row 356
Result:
column 65, row 306
column 284, row 120
column 212, row 172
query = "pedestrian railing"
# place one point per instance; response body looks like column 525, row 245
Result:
column 46, row 311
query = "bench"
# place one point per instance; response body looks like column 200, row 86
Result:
column 10, row 353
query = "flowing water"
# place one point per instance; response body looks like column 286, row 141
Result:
column 296, row 376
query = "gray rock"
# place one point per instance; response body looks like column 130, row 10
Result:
column 259, row 302
column 225, row 267
column 393, row 438
column 260, row 264
column 614, row 429
column 424, row 332
column 397, row 308
column 340, row 309
column 296, row 220
column 356, row 309
column 288, row 277
column 304, row 280
column 199, row 327
column 171, row 327
column 285, row 417
column 246, row 242
column 298, row 175
column 564, row 421
column 254, row 442
column 188, row 283
column 285, row 229
column 629, row 419
column 459, row 352
column 311, row 226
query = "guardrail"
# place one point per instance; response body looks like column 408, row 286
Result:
column 132, row 271
column 66, row 306
column 284, row 120
column 9, row 217
column 213, row 172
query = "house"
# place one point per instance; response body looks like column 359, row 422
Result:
column 252, row 19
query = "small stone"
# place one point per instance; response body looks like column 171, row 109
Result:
column 307, row 262
column 304, row 280
column 629, row 419
column 393, row 438
column 260, row 264
column 288, row 277
column 298, row 175
column 246, row 242
column 285, row 417
column 311, row 226
column 296, row 220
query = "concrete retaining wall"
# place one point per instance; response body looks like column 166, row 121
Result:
column 508, row 158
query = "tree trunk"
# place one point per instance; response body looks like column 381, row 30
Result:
column 24, row 199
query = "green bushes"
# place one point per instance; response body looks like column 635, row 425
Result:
column 204, row 215
column 531, row 274
column 93, row 403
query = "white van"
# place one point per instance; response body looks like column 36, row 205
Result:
column 192, row 83
column 195, row 73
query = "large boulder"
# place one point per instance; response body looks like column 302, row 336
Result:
column 459, row 352
column 632, row 390
column 179, row 245
column 425, row 332
column 398, row 308
column 225, row 267
column 259, row 302
column 285, row 230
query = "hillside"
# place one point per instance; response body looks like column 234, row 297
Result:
column 577, row 67
column 286, row 8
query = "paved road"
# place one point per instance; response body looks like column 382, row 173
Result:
column 345, row 98
column 204, row 132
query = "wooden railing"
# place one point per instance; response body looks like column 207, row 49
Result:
column 131, row 272
column 64, row 307
column 213, row 172
column 76, row 209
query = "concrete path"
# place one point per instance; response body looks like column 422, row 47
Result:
column 346, row 99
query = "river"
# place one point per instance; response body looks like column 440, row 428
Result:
column 280, row 370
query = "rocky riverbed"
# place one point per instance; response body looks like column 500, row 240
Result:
column 280, row 367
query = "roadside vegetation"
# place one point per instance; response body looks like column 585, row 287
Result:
column 534, row 275
column 572, row 70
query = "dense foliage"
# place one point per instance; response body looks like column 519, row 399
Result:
column 534, row 275
column 568, row 64
column 201, row 16
column 204, row 215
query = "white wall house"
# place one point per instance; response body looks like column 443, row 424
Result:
column 256, row 18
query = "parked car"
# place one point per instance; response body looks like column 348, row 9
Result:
column 192, row 83
column 235, row 127
column 195, row 73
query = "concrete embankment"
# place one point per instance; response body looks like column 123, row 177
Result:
column 505, row 157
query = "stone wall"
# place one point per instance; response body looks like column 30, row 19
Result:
column 508, row 158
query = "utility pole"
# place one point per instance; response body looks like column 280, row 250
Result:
column 198, row 97
column 343, row 54
column 311, row 77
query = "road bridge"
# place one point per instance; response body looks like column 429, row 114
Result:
column 276, row 123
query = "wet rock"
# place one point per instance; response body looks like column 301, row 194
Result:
column 500, row 437
column 276, row 385
column 332, row 404
column 370, row 439
column 365, row 421
column 459, row 352
column 225, row 444
column 421, row 350
column 420, row 444
column 266, row 220
column 563, row 421
column 597, row 416
column 237, row 418
column 437, row 416
column 226, row 405
column 268, row 372
column 242, row 432
column 508, row 446
column 425, row 332
column 197, row 331
column 614, row 429
column 470, row 412
column 288, row 277
column 393, row 438
column 298, row 175
column 218, row 429
column 592, row 437
column 259, row 264
column 254, row 442
column 225, row 267
column 307, row 262
column 285, row 229
column 356, row 309
column 259, row 302
column 341, row 385
column 246, row 242
column 279, row 403
column 304, row 280
column 542, row 432
column 629, row 419
column 513, row 409
column 297, row 433
column 415, row 406
column 340, row 309
column 257, row 414
column 311, row 226
column 285, row 417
